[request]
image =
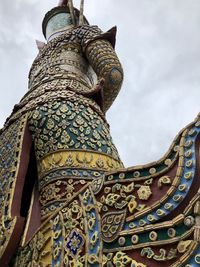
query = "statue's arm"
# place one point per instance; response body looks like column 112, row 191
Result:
column 102, row 57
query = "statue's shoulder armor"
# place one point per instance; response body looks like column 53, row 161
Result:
column 81, row 35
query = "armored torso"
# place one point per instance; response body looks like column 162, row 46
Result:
column 63, row 60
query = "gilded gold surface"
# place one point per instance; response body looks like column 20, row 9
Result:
column 78, row 159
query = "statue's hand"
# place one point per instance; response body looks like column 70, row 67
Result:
column 100, row 85
column 97, row 93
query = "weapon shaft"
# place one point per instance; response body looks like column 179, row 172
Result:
column 71, row 8
column 81, row 17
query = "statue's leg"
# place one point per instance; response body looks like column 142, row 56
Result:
column 70, row 237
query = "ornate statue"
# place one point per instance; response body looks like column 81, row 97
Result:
column 66, row 198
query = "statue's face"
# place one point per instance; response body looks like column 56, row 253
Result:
column 57, row 23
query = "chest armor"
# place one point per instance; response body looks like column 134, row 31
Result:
column 67, row 65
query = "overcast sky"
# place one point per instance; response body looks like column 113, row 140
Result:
column 158, row 43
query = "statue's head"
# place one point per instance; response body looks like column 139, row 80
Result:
column 61, row 18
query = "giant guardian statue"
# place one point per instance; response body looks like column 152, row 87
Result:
column 65, row 197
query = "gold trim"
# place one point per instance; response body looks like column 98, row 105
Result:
column 186, row 256
column 151, row 243
column 78, row 159
column 164, row 225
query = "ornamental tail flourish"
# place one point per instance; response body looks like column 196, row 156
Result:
column 66, row 198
